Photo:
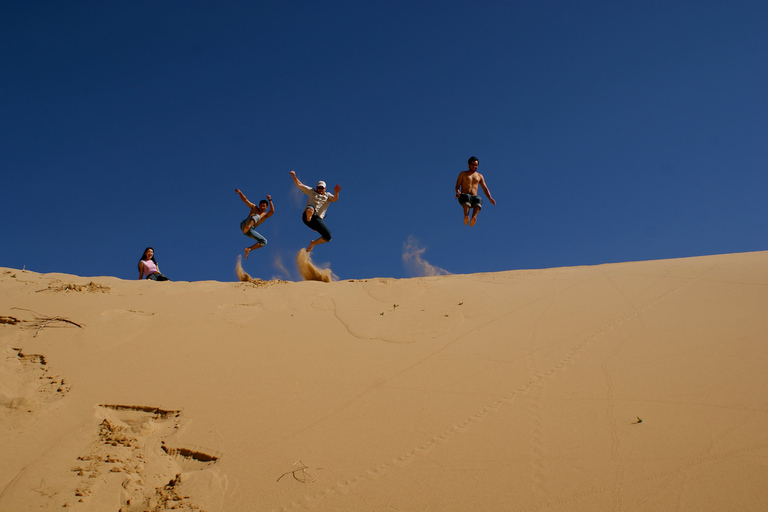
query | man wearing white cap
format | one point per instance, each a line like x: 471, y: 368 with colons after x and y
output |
x: 314, y: 212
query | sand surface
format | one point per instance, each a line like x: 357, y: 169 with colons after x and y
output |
x: 623, y: 387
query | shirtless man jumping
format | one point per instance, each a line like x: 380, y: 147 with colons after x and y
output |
x: 257, y: 215
x: 466, y: 191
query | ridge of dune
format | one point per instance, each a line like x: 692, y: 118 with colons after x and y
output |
x: 631, y: 386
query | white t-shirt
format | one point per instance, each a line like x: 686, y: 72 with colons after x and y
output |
x: 318, y: 201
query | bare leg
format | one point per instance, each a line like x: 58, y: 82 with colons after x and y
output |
x: 475, y: 211
x: 466, y: 214
x: 248, y: 226
x: 313, y: 243
x: 308, y: 213
x: 255, y: 246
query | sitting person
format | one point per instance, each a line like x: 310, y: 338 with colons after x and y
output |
x: 148, y: 266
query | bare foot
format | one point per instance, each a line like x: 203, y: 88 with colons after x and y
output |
x: 472, y: 222
x: 247, y: 250
x: 311, y: 246
x: 466, y: 220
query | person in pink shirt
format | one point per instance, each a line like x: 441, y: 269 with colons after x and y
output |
x: 148, y: 266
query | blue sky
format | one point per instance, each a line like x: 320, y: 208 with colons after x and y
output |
x: 606, y: 131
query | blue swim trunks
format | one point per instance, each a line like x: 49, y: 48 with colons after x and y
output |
x: 471, y: 201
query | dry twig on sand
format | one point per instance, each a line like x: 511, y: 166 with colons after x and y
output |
x: 41, y: 320
x: 305, y: 477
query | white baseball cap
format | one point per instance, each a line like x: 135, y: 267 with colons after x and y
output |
x: 320, y: 184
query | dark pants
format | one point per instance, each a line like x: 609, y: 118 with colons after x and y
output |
x: 318, y: 225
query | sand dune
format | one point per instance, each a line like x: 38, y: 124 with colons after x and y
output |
x: 633, y: 387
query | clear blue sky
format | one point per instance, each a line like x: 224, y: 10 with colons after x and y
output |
x: 607, y: 132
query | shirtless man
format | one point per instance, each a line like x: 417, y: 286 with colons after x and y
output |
x: 466, y: 191
x: 314, y: 212
x: 257, y: 215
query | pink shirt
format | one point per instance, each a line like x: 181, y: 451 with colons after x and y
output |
x: 149, y: 268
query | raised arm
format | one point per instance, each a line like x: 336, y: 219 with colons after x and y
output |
x: 296, y: 180
x: 271, y: 209
x: 335, y: 197
x: 245, y: 199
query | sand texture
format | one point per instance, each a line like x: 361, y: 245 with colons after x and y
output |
x: 623, y: 387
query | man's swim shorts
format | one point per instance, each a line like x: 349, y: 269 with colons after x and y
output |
x: 471, y: 201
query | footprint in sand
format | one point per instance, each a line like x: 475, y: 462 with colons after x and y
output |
x: 28, y: 382
x: 137, y: 460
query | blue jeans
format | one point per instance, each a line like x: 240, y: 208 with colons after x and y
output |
x: 318, y: 225
x: 252, y: 233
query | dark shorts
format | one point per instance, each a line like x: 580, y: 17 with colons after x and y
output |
x: 471, y: 201
x: 318, y: 225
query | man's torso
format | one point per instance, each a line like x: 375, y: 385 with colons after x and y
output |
x: 318, y: 201
x: 469, y: 182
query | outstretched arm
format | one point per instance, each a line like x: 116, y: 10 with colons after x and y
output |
x: 487, y: 192
x: 245, y: 199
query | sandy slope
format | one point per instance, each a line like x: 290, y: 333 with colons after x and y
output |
x: 517, y: 390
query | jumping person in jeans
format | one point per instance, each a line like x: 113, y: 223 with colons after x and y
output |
x: 314, y: 212
x: 256, y: 216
